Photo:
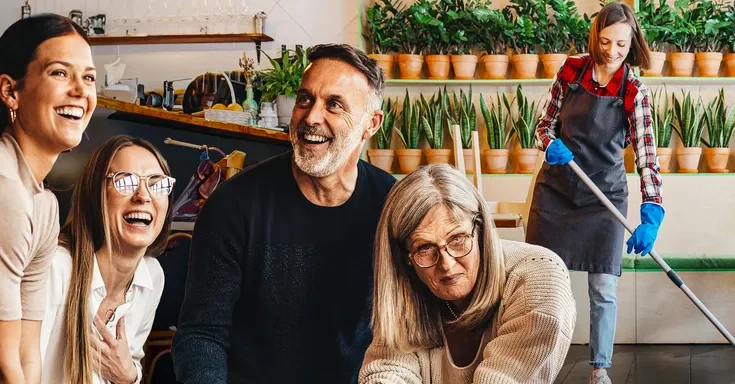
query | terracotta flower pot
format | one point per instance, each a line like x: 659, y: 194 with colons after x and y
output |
x: 717, y: 159
x: 438, y: 66
x: 438, y: 156
x: 629, y: 159
x: 682, y: 64
x: 524, y: 65
x: 408, y: 160
x: 385, y: 62
x: 730, y: 64
x: 709, y: 63
x: 410, y: 66
x: 664, y: 159
x: 469, y: 160
x: 688, y: 159
x: 496, y: 66
x: 658, y: 59
x: 381, y: 158
x: 525, y: 159
x: 495, y: 160
x: 464, y: 66
x: 552, y: 62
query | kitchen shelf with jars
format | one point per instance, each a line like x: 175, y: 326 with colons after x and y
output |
x: 455, y: 44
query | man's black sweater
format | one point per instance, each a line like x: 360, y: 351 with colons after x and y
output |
x: 279, y: 290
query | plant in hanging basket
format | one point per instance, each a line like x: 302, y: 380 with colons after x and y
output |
x: 384, y: 135
x: 410, y: 116
x: 662, y: 118
x: 688, y: 116
x: 380, y: 27
x: 527, y: 115
x: 720, y: 121
x: 496, y: 123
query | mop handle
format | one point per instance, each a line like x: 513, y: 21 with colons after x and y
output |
x: 669, y: 272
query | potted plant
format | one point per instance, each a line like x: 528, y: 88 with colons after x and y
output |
x: 494, y: 39
x: 382, y: 157
x: 462, y: 112
x: 432, y: 125
x: 495, y: 157
x: 729, y: 39
x: 688, y: 125
x: 524, y: 38
x: 655, y: 22
x: 409, y: 157
x: 464, y: 19
x: 380, y: 18
x: 437, y: 38
x: 524, y: 128
x: 411, y: 38
x: 281, y: 82
x: 556, y: 28
x: 662, y: 118
x: 579, y: 32
x: 709, y: 19
x: 682, y: 36
x: 720, y: 122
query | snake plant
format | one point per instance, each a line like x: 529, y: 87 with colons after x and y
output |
x: 461, y: 111
x: 408, y: 131
x: 385, y: 132
x: 432, y: 122
x: 496, y: 122
x: 720, y: 122
x: 661, y: 118
x: 688, y: 117
x: 524, y: 126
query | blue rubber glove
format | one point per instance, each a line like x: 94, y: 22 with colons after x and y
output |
x: 558, y: 153
x: 645, y: 235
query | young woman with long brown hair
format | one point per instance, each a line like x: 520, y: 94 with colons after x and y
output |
x: 105, y: 283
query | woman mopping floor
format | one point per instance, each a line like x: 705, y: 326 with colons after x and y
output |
x: 596, y: 107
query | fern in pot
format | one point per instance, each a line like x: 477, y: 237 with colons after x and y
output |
x: 495, y: 157
x: 524, y: 128
x: 662, y: 120
x: 382, y: 156
x: 688, y: 125
x: 409, y: 157
x: 720, y: 122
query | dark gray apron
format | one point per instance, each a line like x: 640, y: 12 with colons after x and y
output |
x: 565, y: 216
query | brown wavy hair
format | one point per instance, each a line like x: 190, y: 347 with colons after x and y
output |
x: 614, y: 13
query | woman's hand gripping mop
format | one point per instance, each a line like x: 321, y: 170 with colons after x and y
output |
x: 558, y: 153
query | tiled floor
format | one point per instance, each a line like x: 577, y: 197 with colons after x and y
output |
x: 654, y: 364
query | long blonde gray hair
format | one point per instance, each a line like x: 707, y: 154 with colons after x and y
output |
x: 406, y: 315
x: 85, y: 232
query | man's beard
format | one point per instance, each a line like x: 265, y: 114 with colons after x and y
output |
x: 339, y: 150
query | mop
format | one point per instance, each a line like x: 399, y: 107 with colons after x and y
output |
x: 669, y: 272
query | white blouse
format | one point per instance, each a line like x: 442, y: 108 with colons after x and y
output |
x: 141, y: 301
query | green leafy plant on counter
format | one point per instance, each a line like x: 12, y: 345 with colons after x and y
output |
x: 384, y: 135
x: 720, y: 122
x: 285, y: 77
x: 496, y: 123
x: 408, y: 131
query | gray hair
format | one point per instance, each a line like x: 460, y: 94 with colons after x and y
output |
x: 406, y: 316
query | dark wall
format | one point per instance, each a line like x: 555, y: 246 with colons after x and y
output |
x: 182, y: 161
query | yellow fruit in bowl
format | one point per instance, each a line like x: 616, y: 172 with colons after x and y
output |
x: 219, y: 106
x: 235, y: 107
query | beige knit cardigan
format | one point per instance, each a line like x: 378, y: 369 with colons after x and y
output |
x: 530, y: 334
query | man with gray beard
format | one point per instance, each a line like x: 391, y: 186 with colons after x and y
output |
x: 280, y: 277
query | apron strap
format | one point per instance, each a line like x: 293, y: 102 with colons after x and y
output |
x: 573, y: 86
x: 621, y: 93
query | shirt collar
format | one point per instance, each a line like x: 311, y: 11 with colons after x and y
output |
x: 142, y: 277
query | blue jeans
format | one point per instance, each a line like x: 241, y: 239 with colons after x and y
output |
x: 603, y: 315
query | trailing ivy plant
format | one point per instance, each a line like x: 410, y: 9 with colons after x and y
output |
x: 380, y: 19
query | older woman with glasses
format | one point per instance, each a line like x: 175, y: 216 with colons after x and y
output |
x: 453, y: 303
x: 105, y: 284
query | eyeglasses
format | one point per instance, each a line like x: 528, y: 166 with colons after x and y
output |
x: 458, y: 246
x: 127, y: 183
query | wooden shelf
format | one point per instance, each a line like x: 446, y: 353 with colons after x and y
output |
x: 200, y: 122
x: 179, y: 39
x: 651, y: 80
x: 473, y: 81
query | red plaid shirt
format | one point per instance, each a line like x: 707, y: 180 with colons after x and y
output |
x: 636, y: 103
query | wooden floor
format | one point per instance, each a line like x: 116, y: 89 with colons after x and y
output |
x: 653, y: 364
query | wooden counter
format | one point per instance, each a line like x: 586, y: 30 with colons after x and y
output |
x: 148, y: 115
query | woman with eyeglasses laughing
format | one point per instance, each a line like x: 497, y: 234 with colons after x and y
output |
x: 105, y: 284
x: 455, y: 304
